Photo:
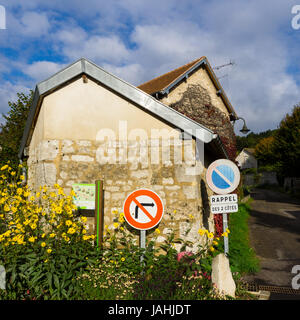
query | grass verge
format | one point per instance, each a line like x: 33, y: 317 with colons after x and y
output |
x: 241, y: 256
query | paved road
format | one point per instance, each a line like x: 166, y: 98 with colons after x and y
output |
x: 275, y: 236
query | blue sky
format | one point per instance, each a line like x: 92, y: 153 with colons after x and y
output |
x: 138, y: 40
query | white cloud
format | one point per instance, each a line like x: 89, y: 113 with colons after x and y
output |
x: 34, y: 24
x: 41, y: 70
x: 138, y: 40
x: 132, y: 73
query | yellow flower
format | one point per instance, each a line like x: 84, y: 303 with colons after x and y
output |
x: 215, y: 243
x: 72, y: 193
x: 210, y: 235
x: 13, y: 173
x: 43, y: 235
x: 49, y: 250
x: 19, y: 191
x: 227, y: 230
x: 212, y: 249
x: 122, y: 259
x: 191, y: 216
x: 22, y: 177
x: 33, y: 226
x: 52, y: 235
x: 71, y: 230
x: 157, y: 231
x: 68, y: 223
x: 56, y: 186
x: 83, y: 219
x: 201, y: 232
x: 116, y: 225
x: 4, y: 167
x: 174, y: 211
x: 31, y: 239
x: 43, y: 244
x: 58, y: 210
x: 224, y: 234
x: 46, y: 260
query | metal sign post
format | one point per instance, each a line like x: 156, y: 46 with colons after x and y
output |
x: 223, y: 177
x: 225, y: 226
x: 143, y: 210
x: 99, y: 212
x: 142, y: 242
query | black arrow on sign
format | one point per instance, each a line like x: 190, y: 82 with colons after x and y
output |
x: 144, y: 205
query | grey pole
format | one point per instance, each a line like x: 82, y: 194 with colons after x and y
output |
x: 143, y: 242
x: 225, y: 226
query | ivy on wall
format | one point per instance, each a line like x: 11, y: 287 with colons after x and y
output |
x: 197, y: 105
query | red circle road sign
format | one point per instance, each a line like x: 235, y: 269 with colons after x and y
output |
x: 143, y: 209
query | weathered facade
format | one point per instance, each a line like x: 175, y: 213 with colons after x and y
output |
x: 86, y: 125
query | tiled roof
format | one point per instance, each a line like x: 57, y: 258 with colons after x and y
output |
x: 163, y: 81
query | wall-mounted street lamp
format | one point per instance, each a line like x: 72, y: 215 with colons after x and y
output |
x: 245, y: 129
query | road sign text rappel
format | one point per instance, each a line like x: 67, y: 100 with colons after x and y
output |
x: 223, y: 199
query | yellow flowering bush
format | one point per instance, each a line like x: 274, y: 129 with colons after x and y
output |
x: 41, y: 237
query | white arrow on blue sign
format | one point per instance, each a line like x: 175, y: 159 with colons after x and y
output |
x: 223, y: 176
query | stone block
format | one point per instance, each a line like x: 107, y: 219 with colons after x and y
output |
x: 45, y: 174
x: 117, y: 196
x: 167, y: 180
x: 81, y: 158
x: 112, y: 188
x: 84, y: 143
x: 67, y: 146
x: 190, y: 192
x: 47, y: 150
x: 182, y: 176
x: 221, y: 275
x: 139, y: 174
x: 173, y: 188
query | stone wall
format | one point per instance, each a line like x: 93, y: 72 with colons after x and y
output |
x: 196, y: 103
x: 67, y: 162
x: 261, y: 178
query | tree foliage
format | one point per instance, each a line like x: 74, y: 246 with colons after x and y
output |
x: 287, y: 144
x: 264, y: 151
x: 252, y: 139
x: 11, y: 131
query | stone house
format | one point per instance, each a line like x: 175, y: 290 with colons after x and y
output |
x: 86, y: 124
x: 246, y: 159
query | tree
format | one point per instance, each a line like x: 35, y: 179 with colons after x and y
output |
x: 264, y: 151
x: 287, y: 144
x: 252, y: 139
x: 11, y: 131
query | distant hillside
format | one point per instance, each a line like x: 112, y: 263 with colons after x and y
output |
x: 251, y: 140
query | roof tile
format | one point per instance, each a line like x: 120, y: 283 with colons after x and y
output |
x: 163, y: 81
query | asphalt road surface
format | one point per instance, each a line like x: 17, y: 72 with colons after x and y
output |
x: 274, y: 227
